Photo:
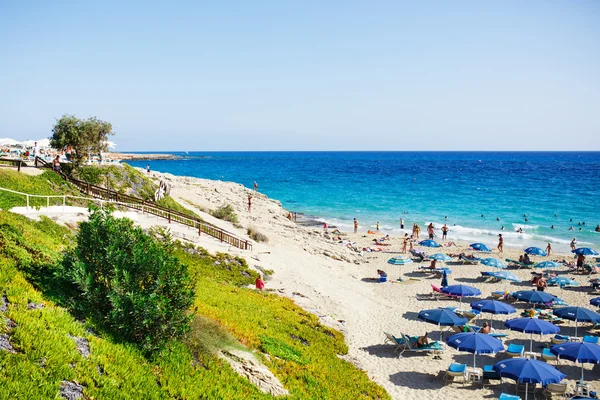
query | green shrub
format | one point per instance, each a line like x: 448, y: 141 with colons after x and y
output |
x: 226, y: 213
x: 129, y: 282
x: 256, y: 235
x: 91, y: 174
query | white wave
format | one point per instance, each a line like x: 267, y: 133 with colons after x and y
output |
x: 525, y: 227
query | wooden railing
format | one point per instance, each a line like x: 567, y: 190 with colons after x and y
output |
x: 150, y: 207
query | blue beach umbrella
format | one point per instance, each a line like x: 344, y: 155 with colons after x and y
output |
x: 577, y: 314
x: 400, y: 260
x: 505, y: 275
x: 547, y: 264
x: 535, y: 251
x: 440, y: 257
x: 562, y: 281
x: 442, y: 317
x: 531, y: 325
x: 586, y: 251
x: 493, y: 307
x: 429, y: 243
x: 494, y: 262
x: 595, y: 301
x: 580, y: 352
x: 480, y: 247
x: 534, y: 296
x: 461, y: 291
x: 476, y: 343
x: 527, y: 370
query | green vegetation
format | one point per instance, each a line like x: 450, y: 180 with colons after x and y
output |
x: 226, y: 213
x: 83, y: 137
x: 122, y: 178
x: 300, y: 351
x: 128, y: 281
x: 256, y: 235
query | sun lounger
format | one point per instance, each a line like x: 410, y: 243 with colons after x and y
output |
x: 515, y: 350
x: 504, y: 396
x: 411, y: 345
x: 556, y: 391
x: 398, y: 342
x: 475, y: 328
x: 454, y: 371
x: 519, y: 264
x: 437, y: 271
x: 490, y: 374
x: 421, y: 255
x: 590, y: 339
x: 469, y: 260
x: 547, y: 355
x: 558, y: 339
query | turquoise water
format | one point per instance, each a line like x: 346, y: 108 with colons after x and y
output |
x: 424, y: 187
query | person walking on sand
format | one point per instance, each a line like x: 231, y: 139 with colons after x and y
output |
x: 325, y: 227
x: 355, y: 225
x: 444, y: 232
x: 249, y: 203
x: 401, y: 223
x: 377, y: 226
x: 500, y: 243
x: 549, y: 249
x: 255, y: 186
x: 574, y: 244
x: 405, y: 243
x: 430, y: 231
x: 417, y: 231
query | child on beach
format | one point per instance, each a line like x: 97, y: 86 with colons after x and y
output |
x: 260, y: 284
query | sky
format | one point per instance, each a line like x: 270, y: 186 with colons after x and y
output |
x: 306, y: 75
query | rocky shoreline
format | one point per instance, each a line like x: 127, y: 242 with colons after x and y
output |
x: 146, y: 156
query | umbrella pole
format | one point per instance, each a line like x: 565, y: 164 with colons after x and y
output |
x: 440, y: 328
x: 576, y: 328
x: 526, y: 389
x: 475, y: 353
x: 582, y: 373
x: 531, y: 342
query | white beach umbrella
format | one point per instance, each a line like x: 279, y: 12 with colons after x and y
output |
x: 29, y: 143
x: 110, y: 145
x: 43, y: 143
x: 8, y: 142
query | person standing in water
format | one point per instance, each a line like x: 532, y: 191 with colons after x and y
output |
x: 401, y: 223
x: 574, y: 244
x: 500, y: 243
x: 444, y: 232
x: 255, y: 186
x: 377, y: 226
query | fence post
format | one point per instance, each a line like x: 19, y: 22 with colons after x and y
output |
x: 88, y: 189
x: 117, y: 197
x: 142, y: 206
x: 169, y: 215
x: 221, y: 236
x: 35, y: 161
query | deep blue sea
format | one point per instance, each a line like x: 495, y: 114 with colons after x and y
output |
x: 471, y: 189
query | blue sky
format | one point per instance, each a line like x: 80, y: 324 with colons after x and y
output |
x: 311, y: 75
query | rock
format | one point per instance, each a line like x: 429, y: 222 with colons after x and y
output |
x: 10, y: 324
x: 35, y: 306
x: 247, y: 365
x: 4, y: 303
x: 82, y: 345
x: 71, y: 390
x: 5, y: 344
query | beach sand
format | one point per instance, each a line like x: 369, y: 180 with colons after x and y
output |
x: 340, y: 287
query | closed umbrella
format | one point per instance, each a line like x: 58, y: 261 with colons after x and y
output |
x: 535, y: 251
x: 494, y: 262
x: 480, y: 247
x: 595, y: 301
x: 476, y: 343
x: 534, y: 296
x: 461, y: 291
x: 400, y: 260
x: 580, y: 352
x: 577, y: 314
x: 493, y: 307
x: 527, y: 370
x: 531, y: 325
x: 586, y: 251
x: 442, y: 317
x: 429, y: 243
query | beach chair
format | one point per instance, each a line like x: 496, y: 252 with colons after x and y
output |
x: 556, y: 391
x: 391, y: 339
x: 504, y: 396
x: 411, y: 345
x: 590, y: 339
x: 438, y: 294
x: 421, y: 255
x: 547, y: 355
x: 469, y: 261
x: 489, y: 374
x: 454, y: 371
x: 475, y: 328
x: 518, y: 264
x: 515, y: 350
x: 558, y: 339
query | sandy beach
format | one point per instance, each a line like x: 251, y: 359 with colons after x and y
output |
x: 339, y: 285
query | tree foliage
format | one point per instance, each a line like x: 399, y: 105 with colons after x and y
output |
x: 129, y: 281
x: 83, y: 136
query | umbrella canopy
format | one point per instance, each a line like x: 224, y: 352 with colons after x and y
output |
x: 442, y: 317
x: 577, y: 314
x: 534, y: 296
x: 586, y: 251
x: 429, y: 243
x: 494, y: 262
x: 400, y: 260
x: 535, y: 251
x: 581, y: 352
x: 531, y: 325
x: 461, y: 290
x: 528, y: 371
x: 480, y: 247
x: 595, y: 301
x: 440, y: 257
x: 505, y: 275
x: 547, y: 264
x: 8, y: 142
x: 493, y: 307
x: 476, y: 343
x: 562, y: 281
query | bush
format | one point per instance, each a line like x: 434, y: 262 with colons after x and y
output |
x: 256, y: 235
x: 129, y: 282
x: 226, y: 213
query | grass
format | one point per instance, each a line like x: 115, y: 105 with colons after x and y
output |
x: 292, y: 343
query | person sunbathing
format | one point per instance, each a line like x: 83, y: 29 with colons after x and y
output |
x: 378, y: 243
x: 449, y: 244
x: 423, y: 341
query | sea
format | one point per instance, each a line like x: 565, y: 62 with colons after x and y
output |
x: 552, y: 196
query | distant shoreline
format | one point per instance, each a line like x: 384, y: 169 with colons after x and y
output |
x: 145, y: 156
